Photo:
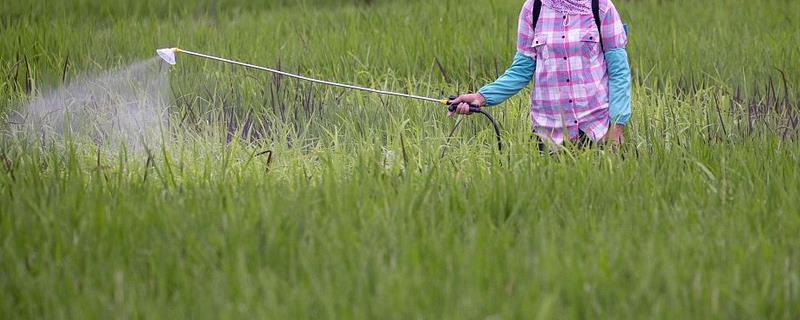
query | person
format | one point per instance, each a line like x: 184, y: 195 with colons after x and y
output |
x: 581, y: 74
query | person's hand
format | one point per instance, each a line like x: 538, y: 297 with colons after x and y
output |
x: 615, y: 135
x: 464, y: 101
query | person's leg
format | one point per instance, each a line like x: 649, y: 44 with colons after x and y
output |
x: 540, y: 145
x: 583, y: 141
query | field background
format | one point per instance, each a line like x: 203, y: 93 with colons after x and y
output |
x: 363, y: 208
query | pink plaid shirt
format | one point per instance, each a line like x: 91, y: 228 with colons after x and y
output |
x: 570, y: 82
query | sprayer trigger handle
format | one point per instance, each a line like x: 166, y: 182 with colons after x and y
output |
x: 472, y: 108
x: 452, y: 106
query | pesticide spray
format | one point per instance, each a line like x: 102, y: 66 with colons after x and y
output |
x: 125, y: 107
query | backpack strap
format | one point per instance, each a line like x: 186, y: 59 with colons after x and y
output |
x: 597, y: 21
x: 537, y: 9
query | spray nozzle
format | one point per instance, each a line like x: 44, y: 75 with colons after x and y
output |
x: 168, y: 54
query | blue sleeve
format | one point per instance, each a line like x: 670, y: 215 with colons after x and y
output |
x: 619, y: 86
x: 516, y: 77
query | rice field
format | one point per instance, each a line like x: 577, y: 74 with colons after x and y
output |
x: 271, y: 198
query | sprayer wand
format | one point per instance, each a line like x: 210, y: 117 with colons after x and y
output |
x: 168, y: 55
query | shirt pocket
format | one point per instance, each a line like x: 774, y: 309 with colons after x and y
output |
x: 539, y: 47
x: 590, y: 44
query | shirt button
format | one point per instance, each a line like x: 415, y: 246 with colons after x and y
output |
x: 565, y: 58
x: 565, y: 17
x: 570, y: 101
x: 576, y: 121
x: 562, y: 37
x: 567, y: 80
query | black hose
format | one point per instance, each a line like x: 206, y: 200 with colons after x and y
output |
x: 476, y: 109
x: 494, y: 124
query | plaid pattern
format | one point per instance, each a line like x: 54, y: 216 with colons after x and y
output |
x: 570, y: 82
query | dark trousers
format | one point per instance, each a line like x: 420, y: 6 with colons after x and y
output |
x: 582, y: 142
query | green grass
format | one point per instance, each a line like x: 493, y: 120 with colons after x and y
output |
x: 367, y: 210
